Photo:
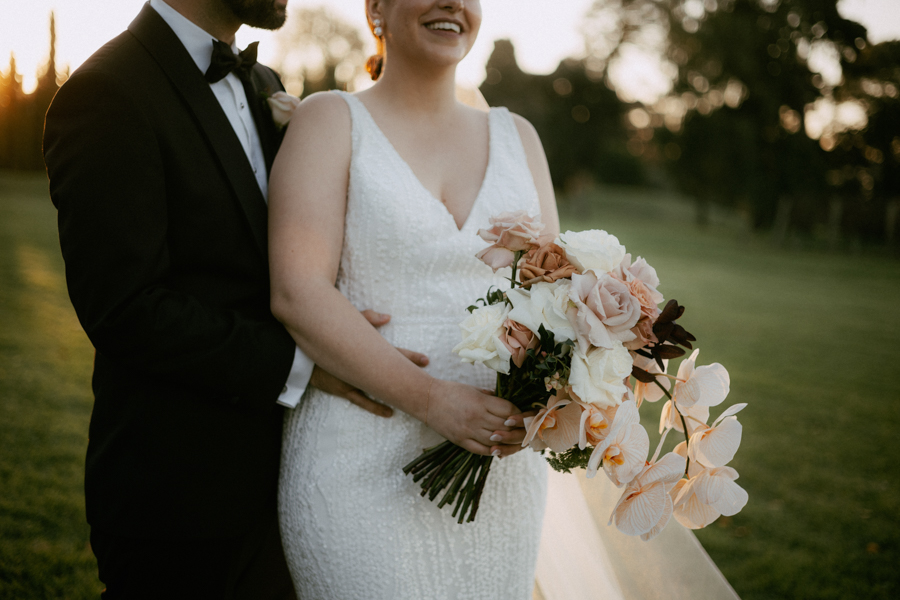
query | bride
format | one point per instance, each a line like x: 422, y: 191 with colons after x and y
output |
x: 382, y: 193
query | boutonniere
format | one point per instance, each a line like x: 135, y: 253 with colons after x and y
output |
x: 281, y: 105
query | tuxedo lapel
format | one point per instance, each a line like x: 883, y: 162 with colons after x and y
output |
x: 161, y: 42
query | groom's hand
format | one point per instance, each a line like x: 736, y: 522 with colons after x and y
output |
x: 330, y: 384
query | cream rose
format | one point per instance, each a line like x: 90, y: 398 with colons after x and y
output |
x: 481, y: 333
x: 592, y: 250
x: 605, y: 310
x: 598, y: 377
x: 282, y: 106
x: 544, y: 304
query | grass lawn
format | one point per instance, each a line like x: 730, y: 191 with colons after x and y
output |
x: 45, y: 405
x: 802, y: 335
x: 810, y: 342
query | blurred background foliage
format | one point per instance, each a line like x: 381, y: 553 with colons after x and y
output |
x: 780, y: 110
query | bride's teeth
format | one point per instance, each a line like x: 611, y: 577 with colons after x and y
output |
x: 445, y: 26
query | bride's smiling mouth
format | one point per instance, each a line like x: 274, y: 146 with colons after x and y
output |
x: 445, y: 27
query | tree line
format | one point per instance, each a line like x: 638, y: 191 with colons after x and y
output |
x: 747, y: 123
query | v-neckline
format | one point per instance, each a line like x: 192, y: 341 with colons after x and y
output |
x: 438, y: 201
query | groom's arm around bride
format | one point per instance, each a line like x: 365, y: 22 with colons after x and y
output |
x: 159, y: 176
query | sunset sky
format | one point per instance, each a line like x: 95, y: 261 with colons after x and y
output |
x: 543, y: 31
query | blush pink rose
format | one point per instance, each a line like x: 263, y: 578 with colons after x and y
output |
x: 510, y: 232
x: 519, y: 339
x: 640, y: 271
x: 605, y: 310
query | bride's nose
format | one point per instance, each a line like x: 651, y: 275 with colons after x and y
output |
x: 452, y: 5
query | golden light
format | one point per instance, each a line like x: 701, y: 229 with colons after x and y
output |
x: 543, y: 33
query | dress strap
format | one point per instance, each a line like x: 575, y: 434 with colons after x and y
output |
x: 508, y: 140
x: 358, y: 116
x: 508, y: 155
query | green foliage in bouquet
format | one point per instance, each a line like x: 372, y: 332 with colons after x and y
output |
x: 571, y: 459
x: 531, y: 385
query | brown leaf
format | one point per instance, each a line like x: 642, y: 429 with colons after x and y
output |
x: 662, y: 331
x: 642, y: 375
x: 669, y: 313
x: 667, y: 352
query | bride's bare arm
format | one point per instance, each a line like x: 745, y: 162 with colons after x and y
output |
x: 307, y: 204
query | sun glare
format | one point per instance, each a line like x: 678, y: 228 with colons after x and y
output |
x: 542, y: 32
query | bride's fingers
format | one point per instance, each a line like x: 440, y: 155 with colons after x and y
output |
x: 504, y: 450
x: 500, y: 407
x: 475, y: 447
x: 366, y: 403
x: 508, y: 437
x: 416, y: 358
x: 376, y: 319
x: 518, y: 420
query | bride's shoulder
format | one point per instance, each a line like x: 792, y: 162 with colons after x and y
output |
x: 322, y: 111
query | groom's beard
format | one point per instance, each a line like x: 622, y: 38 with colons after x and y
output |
x: 263, y: 14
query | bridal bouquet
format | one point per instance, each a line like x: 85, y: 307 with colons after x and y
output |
x: 580, y: 338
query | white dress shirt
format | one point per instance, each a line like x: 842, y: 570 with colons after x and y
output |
x: 233, y: 100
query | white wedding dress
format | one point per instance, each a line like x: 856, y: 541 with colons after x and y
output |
x: 353, y: 525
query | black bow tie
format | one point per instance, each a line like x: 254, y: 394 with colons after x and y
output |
x: 224, y: 61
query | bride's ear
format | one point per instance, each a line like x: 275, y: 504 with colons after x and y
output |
x: 373, y: 11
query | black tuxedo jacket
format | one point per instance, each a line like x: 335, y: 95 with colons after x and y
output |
x: 163, y: 230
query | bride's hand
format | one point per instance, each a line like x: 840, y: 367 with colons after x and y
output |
x: 469, y: 417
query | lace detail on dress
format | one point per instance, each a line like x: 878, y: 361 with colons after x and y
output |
x: 353, y: 526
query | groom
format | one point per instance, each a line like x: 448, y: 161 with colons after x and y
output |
x: 158, y: 151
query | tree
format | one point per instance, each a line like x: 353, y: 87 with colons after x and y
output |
x: 578, y: 117
x: 741, y: 86
x: 318, y: 51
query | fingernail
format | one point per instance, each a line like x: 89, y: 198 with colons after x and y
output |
x: 496, y: 438
x: 495, y: 453
x: 509, y: 423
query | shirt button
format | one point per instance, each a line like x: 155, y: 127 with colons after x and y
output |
x: 242, y: 106
x: 254, y: 169
x: 284, y: 390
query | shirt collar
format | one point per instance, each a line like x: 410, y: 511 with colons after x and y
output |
x: 196, y: 41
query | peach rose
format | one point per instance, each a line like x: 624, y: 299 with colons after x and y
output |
x: 510, y: 232
x: 606, y: 310
x: 639, y: 270
x: 519, y: 339
x: 643, y: 333
x: 547, y: 262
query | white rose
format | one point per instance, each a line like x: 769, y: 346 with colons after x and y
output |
x: 282, y: 106
x: 598, y: 377
x: 544, y: 304
x: 592, y: 250
x: 481, y: 338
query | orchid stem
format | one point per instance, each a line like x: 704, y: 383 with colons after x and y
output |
x: 687, y: 440
x: 664, y: 390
